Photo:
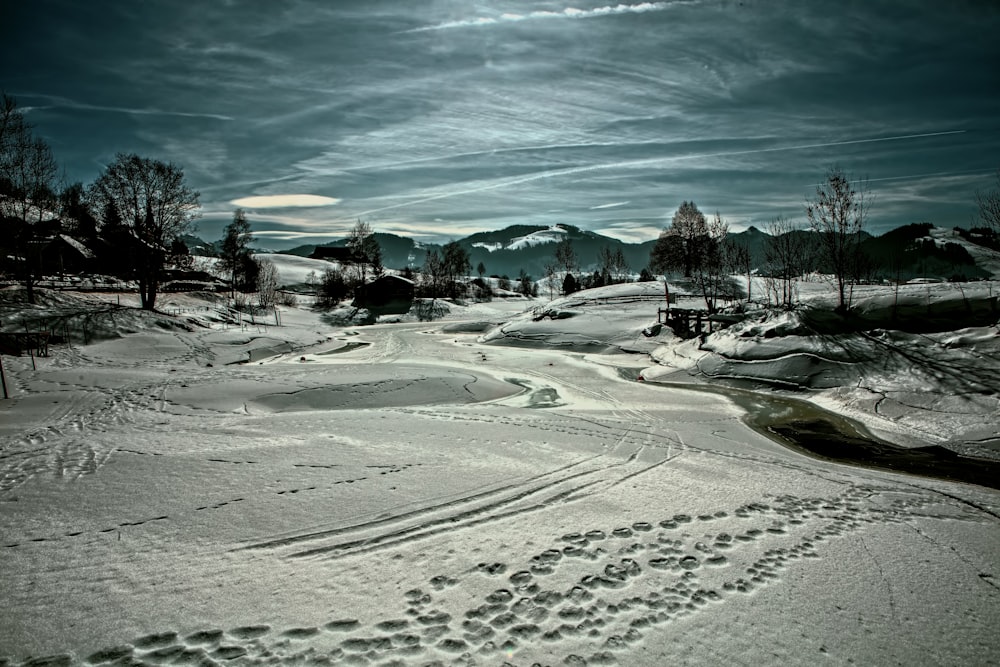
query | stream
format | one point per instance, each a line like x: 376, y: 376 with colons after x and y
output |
x: 813, y: 431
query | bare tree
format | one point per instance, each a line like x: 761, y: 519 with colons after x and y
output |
x: 155, y: 206
x: 838, y: 214
x: 550, y: 279
x: 709, y: 270
x: 27, y: 187
x: 433, y: 272
x: 740, y: 260
x: 566, y: 255
x: 456, y: 264
x: 614, y: 267
x: 365, y: 248
x: 332, y: 288
x: 786, y: 256
x: 989, y: 207
x: 267, y: 283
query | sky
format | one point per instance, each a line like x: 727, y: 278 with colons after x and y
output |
x: 436, y: 119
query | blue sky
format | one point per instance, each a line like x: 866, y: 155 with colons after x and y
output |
x: 439, y: 118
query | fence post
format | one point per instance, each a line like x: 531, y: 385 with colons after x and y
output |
x: 3, y: 378
x: 31, y: 350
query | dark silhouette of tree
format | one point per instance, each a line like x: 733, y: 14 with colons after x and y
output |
x: 365, y: 249
x: 988, y: 203
x: 235, y: 251
x: 75, y: 212
x: 154, y: 205
x: 481, y: 269
x: 566, y: 255
x: 525, y: 285
x: 709, y: 269
x: 333, y: 287
x: 27, y: 188
x: 838, y: 214
x: 740, y: 260
x: 613, y: 265
x: 433, y: 272
x: 569, y: 284
x: 681, y: 245
x: 786, y: 257
x: 455, y: 263
x: 247, y: 274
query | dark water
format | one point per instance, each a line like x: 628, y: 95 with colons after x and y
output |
x: 825, y: 435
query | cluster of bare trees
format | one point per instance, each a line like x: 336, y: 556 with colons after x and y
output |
x: 145, y: 205
x: 248, y: 275
x: 612, y: 268
x: 27, y: 186
x: 338, y: 282
x: 701, y: 250
x: 153, y: 205
x: 443, y: 271
x: 698, y: 249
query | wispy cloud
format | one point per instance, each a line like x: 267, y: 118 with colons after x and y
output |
x: 468, y: 189
x: 567, y: 13
x: 62, y: 102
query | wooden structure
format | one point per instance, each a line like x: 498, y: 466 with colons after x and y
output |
x: 14, y: 343
x: 690, y: 323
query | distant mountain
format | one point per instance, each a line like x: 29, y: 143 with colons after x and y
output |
x: 912, y: 251
x: 397, y: 251
x: 505, y: 251
x: 531, y: 248
x: 198, y: 246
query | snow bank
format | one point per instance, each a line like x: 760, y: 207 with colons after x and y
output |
x: 602, y: 319
x: 916, y: 366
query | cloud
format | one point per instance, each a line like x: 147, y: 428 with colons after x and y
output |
x: 567, y: 13
x: 285, y: 201
x: 64, y: 102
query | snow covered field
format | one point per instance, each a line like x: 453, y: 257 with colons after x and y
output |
x: 426, y: 493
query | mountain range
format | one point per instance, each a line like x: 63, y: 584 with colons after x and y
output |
x: 910, y: 251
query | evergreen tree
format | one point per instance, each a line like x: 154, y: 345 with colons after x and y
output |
x: 234, y: 255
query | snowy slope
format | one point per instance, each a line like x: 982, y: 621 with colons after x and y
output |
x: 986, y: 258
x: 553, y: 234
